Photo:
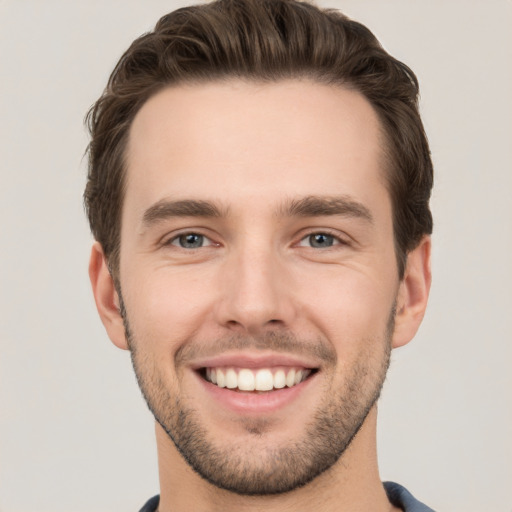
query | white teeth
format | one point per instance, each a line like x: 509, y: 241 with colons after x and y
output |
x: 245, y: 380
x: 264, y: 381
x: 290, y: 378
x: 231, y: 379
x: 256, y: 380
x: 221, y: 381
x: 279, y: 379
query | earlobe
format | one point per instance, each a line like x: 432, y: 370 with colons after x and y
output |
x: 413, y: 293
x: 106, y: 297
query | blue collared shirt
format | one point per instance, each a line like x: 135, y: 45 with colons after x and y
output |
x: 399, y: 496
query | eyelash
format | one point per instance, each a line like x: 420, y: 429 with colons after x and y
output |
x: 174, y: 241
x: 337, y: 240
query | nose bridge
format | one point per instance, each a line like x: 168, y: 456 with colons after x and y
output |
x: 254, y: 296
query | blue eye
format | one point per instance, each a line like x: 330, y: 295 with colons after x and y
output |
x: 190, y: 241
x: 321, y: 240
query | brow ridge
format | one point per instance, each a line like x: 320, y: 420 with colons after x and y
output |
x: 309, y: 206
x: 316, y: 206
x: 165, y: 209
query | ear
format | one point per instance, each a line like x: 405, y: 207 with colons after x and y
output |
x: 106, y: 297
x: 413, y: 294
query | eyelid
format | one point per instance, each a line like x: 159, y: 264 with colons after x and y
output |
x: 168, y: 239
x: 206, y: 241
x: 340, y: 238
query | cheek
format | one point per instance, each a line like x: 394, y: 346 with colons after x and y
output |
x: 166, y: 306
x: 349, y: 306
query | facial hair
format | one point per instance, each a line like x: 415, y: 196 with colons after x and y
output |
x: 273, y: 470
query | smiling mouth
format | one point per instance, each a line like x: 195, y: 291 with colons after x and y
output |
x: 256, y: 380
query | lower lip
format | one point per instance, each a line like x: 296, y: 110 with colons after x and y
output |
x: 255, y: 403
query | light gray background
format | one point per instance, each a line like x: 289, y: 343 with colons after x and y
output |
x: 75, y: 434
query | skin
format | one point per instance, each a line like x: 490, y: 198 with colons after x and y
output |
x: 250, y: 149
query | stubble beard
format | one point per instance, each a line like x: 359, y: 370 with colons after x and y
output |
x: 268, y: 471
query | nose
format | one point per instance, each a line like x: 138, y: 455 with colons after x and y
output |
x: 255, y: 293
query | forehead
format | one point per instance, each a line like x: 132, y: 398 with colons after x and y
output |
x: 240, y: 141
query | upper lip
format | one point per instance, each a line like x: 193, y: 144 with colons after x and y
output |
x: 253, y: 360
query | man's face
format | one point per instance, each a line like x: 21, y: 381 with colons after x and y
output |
x: 257, y: 252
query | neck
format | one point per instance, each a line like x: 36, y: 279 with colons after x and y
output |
x: 352, y: 484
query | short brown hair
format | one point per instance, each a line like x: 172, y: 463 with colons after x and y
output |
x: 261, y: 40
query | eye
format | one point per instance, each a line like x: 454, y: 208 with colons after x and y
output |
x: 190, y: 241
x: 319, y: 241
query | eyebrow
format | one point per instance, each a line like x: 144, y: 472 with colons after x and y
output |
x: 309, y: 206
x: 317, y: 206
x: 166, y: 209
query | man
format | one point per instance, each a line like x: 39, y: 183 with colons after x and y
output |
x: 258, y: 189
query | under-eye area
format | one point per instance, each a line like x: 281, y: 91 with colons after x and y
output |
x: 256, y: 380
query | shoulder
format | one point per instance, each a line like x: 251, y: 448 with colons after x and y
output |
x: 151, y: 505
x: 400, y: 497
